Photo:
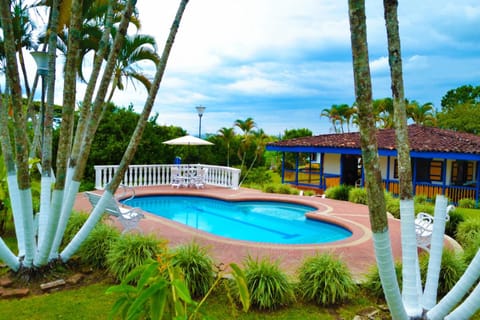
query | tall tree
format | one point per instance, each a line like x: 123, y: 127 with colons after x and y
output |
x: 56, y: 204
x: 227, y: 135
x: 246, y: 126
x: 368, y: 141
x: 423, y: 114
x: 411, y: 273
x: 136, y: 49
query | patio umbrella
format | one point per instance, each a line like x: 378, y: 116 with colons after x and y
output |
x: 188, y: 141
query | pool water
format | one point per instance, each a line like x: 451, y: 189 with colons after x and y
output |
x: 259, y: 221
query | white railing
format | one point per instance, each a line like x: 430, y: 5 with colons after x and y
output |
x: 160, y: 174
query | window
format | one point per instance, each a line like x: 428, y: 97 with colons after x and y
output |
x: 462, y: 172
x: 422, y: 170
x: 436, y: 170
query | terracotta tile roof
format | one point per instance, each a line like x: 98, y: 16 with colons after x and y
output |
x: 422, y: 139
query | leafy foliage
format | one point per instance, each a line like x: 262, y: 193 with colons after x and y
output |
x: 196, y: 266
x: 338, y: 192
x: 269, y: 286
x: 76, y: 221
x: 131, y: 251
x: 373, y: 283
x: 466, y: 203
x: 452, y: 224
x: 392, y: 204
x: 162, y: 293
x: 96, y: 247
x: 451, y: 270
x: 468, y: 231
x: 325, y: 279
x: 358, y: 195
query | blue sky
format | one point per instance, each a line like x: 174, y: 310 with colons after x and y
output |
x: 283, y: 62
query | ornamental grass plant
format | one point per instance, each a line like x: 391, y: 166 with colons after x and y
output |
x: 268, y: 285
x: 325, y: 280
x: 130, y: 251
x: 197, y: 268
x: 96, y: 247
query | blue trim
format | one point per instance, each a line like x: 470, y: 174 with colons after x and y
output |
x: 381, y: 152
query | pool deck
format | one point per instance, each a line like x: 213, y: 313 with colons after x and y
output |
x: 356, y: 251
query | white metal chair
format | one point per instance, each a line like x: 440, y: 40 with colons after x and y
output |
x: 424, y: 228
x: 199, y: 179
x: 128, y: 217
x: 176, y: 179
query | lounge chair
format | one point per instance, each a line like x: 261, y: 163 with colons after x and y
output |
x: 424, y: 228
x: 128, y: 217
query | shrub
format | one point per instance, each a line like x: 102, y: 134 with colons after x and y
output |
x: 358, y: 195
x: 452, y: 224
x: 467, y: 232
x: 424, y: 207
x: 258, y: 176
x: 420, y: 199
x: 338, y: 192
x: 268, y: 285
x: 451, y: 269
x: 269, y: 188
x: 98, y: 244
x: 76, y: 221
x: 196, y: 266
x: 325, y: 279
x: 286, y: 189
x: 373, y: 283
x: 466, y: 203
x: 471, y: 250
x: 129, y: 252
x: 392, y: 204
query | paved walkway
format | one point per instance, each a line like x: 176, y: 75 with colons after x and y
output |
x: 356, y: 251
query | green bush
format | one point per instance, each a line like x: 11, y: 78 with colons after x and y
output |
x: 268, y: 285
x: 129, y: 252
x: 197, y: 268
x: 467, y: 232
x: 451, y: 270
x: 420, y: 199
x: 373, y: 283
x: 259, y: 176
x: 471, y: 250
x: 98, y: 244
x: 325, y: 279
x: 338, y: 192
x: 286, y: 189
x: 76, y: 221
x: 466, y: 203
x: 358, y: 195
x: 452, y: 224
x: 392, y: 204
x: 424, y: 207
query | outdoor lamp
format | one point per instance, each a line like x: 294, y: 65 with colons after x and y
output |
x: 41, y: 59
x: 200, y: 110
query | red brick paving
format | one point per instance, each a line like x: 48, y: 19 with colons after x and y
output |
x: 356, y: 251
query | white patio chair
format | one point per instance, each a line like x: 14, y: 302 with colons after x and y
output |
x: 176, y: 179
x: 128, y: 217
x: 199, y: 179
x: 424, y: 228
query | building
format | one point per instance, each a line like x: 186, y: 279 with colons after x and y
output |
x: 443, y: 161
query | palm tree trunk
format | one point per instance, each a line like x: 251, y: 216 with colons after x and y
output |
x: 76, y: 242
x: 93, y: 121
x: 411, y: 281
x: 373, y: 178
x: 20, y: 135
x: 463, y: 285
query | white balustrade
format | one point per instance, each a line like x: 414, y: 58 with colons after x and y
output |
x: 160, y: 174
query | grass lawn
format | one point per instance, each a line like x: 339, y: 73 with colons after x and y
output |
x: 91, y: 302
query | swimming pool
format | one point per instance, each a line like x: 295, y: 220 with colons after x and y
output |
x: 259, y: 221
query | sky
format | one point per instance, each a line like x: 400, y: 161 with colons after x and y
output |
x: 283, y: 62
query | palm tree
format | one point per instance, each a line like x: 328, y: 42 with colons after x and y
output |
x: 246, y: 126
x: 227, y: 135
x: 373, y: 177
x: 421, y: 114
x: 410, y: 271
x: 135, y: 49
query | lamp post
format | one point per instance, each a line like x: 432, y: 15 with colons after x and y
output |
x: 41, y: 59
x: 200, y: 110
